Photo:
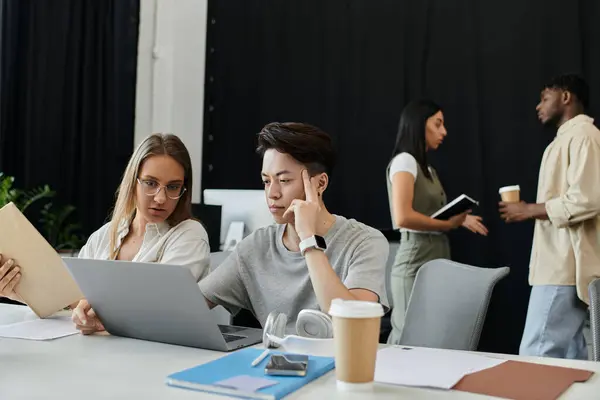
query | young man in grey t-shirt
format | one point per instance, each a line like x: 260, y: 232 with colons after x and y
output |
x: 310, y: 256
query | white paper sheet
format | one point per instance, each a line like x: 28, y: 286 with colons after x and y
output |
x: 39, y: 329
x: 428, y: 367
x: 246, y: 383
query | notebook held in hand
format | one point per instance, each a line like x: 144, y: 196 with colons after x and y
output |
x: 457, y: 206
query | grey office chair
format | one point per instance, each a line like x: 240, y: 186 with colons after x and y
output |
x: 594, y: 292
x: 448, y: 305
x: 217, y: 257
x: 221, y: 315
x: 388, y: 271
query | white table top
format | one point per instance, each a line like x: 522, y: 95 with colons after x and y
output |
x: 108, y: 367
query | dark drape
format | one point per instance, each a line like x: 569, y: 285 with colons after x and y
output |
x: 68, y: 72
x: 350, y: 66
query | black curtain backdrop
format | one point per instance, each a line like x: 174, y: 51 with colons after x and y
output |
x: 349, y: 66
x: 68, y: 73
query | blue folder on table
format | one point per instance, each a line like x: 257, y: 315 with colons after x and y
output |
x: 203, y: 377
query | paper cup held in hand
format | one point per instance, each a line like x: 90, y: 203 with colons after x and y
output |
x: 356, y: 338
x: 510, y: 194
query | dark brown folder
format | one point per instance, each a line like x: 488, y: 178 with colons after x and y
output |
x: 523, y: 381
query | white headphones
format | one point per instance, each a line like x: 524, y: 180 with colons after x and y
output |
x: 310, y: 323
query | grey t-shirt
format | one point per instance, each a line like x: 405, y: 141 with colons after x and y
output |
x: 262, y: 275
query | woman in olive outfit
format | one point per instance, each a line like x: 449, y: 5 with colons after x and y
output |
x: 415, y: 192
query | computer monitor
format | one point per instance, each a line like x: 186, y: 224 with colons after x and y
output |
x: 210, y: 217
x: 240, y: 205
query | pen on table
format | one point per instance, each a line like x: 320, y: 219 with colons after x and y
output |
x: 260, y: 358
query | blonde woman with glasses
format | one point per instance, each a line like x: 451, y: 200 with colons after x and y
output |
x: 152, y: 219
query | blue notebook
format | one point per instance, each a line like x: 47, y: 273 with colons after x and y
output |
x: 203, y: 377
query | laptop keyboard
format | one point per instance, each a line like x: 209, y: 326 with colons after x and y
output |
x: 231, y: 338
x: 230, y: 329
x: 227, y: 331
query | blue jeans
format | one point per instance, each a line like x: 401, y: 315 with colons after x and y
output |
x: 554, y: 326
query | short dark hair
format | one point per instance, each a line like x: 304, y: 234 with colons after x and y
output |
x: 306, y: 143
x: 573, y: 83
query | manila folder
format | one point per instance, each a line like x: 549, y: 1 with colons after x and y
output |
x: 46, y: 285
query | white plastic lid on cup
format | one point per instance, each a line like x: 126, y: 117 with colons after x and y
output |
x: 355, y: 309
x: 509, y: 189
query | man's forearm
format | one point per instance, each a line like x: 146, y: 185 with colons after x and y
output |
x: 326, y: 284
x: 537, y: 211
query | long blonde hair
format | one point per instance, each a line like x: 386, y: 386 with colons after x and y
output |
x: 124, y: 210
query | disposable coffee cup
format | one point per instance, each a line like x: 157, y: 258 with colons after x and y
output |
x: 510, y: 194
x: 356, y: 339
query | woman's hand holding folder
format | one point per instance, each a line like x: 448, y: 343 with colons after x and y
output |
x: 10, y: 276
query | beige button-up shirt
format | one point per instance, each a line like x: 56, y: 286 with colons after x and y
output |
x: 566, y: 248
x: 185, y: 244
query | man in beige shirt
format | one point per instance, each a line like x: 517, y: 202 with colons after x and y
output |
x: 565, y: 256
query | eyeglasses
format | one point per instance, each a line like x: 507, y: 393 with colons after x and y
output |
x: 152, y: 188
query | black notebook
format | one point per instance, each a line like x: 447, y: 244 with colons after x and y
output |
x: 457, y: 206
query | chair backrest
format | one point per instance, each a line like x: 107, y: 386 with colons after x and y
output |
x: 220, y: 314
x: 594, y: 292
x: 394, y: 245
x: 217, y: 257
x: 448, y: 305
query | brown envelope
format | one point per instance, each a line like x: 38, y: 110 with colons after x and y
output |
x: 46, y: 285
x: 522, y: 381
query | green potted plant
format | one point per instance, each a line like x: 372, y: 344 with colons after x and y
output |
x: 53, y: 222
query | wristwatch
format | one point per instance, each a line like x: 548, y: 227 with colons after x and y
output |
x: 313, y: 242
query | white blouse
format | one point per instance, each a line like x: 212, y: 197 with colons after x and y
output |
x: 184, y: 244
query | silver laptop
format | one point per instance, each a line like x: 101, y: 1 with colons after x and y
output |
x: 156, y: 302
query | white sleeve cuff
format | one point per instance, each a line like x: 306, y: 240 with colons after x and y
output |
x: 557, y: 213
